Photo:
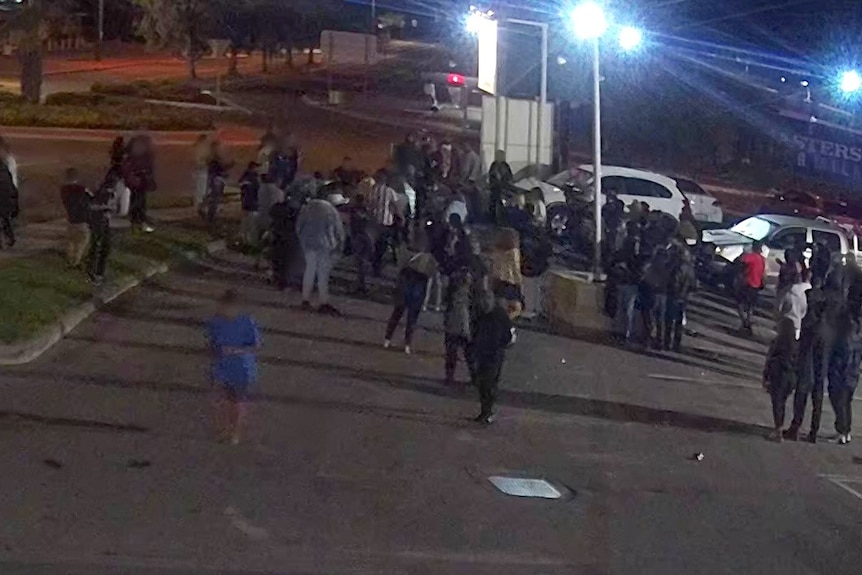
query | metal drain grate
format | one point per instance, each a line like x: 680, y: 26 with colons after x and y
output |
x: 522, y: 487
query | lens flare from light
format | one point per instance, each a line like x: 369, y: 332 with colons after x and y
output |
x: 630, y: 38
x: 851, y: 81
x: 588, y: 20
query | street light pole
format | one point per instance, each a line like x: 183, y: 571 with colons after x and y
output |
x: 597, y: 156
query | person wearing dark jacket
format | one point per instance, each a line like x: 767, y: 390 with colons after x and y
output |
x: 494, y: 333
x: 8, y: 201
x: 283, y: 241
x: 499, y: 178
x: 846, y: 355
x: 821, y: 262
x: 249, y: 188
x: 76, y: 201
x: 652, y: 293
x: 536, y: 252
x: 139, y: 176
x: 409, y: 296
x: 627, y: 273
x: 779, y: 373
x: 681, y: 283
x: 101, y: 207
x: 217, y: 171
x: 815, y: 344
x: 361, y: 243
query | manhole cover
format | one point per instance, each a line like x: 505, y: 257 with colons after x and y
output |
x: 521, y: 487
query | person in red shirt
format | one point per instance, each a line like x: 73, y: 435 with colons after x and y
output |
x: 749, y: 283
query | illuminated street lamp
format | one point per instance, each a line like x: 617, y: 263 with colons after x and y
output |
x: 589, y: 23
x: 851, y: 82
x: 630, y: 38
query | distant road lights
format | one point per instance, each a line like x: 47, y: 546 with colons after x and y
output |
x: 588, y: 20
x: 851, y: 82
x: 630, y: 38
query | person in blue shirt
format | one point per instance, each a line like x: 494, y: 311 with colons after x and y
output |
x: 234, y: 339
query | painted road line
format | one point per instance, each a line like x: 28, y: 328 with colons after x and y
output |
x: 844, y: 481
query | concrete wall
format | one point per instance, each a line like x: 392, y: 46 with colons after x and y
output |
x: 512, y: 126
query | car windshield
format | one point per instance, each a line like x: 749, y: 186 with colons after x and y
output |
x: 578, y: 179
x: 687, y: 187
x: 755, y: 228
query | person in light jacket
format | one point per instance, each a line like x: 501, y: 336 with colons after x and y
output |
x: 792, y: 302
x: 321, y: 236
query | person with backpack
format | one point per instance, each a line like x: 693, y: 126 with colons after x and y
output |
x: 653, y: 296
x: 536, y: 252
x: 410, y: 294
x: 682, y: 282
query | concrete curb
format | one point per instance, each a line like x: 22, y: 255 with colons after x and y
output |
x: 27, y: 351
x: 398, y: 123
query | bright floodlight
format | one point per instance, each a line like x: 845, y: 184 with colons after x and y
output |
x: 630, y: 38
x: 474, y: 22
x: 588, y: 20
x: 851, y: 81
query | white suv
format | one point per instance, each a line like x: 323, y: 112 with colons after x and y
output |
x: 659, y: 192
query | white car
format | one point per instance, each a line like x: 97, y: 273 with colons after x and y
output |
x: 704, y: 206
x: 659, y: 192
x: 777, y: 233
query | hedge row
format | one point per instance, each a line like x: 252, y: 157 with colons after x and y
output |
x: 104, y: 115
x: 169, y: 90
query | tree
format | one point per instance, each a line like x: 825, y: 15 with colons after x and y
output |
x: 181, y: 24
x: 234, y: 20
x: 34, y: 20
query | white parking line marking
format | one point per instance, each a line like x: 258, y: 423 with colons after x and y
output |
x: 842, y: 482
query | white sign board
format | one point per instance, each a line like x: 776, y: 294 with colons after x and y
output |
x: 488, y: 55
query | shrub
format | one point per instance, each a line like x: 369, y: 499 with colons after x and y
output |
x: 128, y: 116
x: 74, y: 99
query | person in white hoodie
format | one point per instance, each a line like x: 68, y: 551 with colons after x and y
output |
x: 792, y: 301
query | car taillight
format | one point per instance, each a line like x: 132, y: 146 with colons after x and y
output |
x: 455, y: 79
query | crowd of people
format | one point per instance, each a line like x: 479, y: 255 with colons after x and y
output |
x: 650, y: 274
x: 818, y: 346
x: 423, y: 214
x: 462, y: 243
x: 123, y: 191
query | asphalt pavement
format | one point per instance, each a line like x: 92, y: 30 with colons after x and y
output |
x: 358, y: 460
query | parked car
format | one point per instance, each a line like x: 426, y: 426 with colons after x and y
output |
x: 778, y: 233
x: 793, y: 203
x: 704, y: 205
x: 563, y: 192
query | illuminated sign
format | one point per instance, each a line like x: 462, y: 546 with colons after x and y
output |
x: 487, y: 35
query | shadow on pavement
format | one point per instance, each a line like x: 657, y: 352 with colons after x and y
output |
x: 71, y: 422
x: 605, y: 409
